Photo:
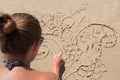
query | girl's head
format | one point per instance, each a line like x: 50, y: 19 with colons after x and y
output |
x: 18, y: 32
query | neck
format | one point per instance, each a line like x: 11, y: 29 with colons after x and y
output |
x: 28, y: 64
x: 17, y: 58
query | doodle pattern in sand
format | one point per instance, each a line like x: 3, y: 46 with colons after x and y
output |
x: 80, y: 41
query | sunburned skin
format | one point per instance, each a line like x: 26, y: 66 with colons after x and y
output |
x: 18, y: 73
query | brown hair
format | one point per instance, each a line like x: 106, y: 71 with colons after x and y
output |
x: 18, y: 32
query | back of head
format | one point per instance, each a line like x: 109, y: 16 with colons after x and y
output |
x: 18, y: 32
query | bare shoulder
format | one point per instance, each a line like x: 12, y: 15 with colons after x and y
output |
x: 3, y: 70
x: 51, y: 76
x: 24, y: 74
x: 46, y: 75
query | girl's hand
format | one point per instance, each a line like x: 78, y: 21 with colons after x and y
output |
x: 57, y: 63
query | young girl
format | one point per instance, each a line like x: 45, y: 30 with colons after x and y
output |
x: 20, y: 38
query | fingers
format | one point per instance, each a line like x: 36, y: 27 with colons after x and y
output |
x: 58, y: 55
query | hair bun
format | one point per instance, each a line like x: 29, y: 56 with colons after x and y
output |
x: 7, y: 25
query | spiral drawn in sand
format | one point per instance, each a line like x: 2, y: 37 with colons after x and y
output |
x: 80, y: 41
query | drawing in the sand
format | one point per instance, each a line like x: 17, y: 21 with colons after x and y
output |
x: 81, y: 43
